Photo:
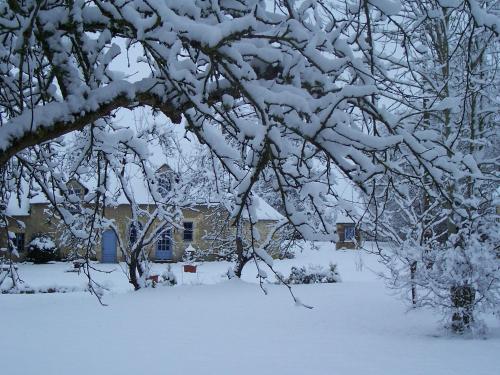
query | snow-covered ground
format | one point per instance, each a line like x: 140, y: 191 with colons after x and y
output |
x: 208, y: 325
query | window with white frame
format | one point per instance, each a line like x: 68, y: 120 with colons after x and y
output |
x: 164, y: 241
x: 75, y: 191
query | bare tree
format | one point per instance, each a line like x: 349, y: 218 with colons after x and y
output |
x: 444, y: 85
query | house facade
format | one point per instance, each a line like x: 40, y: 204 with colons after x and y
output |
x: 204, y: 227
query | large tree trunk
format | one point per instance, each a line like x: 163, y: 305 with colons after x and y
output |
x: 133, y: 271
x: 413, y: 271
x: 135, y: 268
x: 462, y: 298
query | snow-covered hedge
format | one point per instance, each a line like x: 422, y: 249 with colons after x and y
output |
x: 314, y: 274
x: 24, y: 289
x: 42, y: 249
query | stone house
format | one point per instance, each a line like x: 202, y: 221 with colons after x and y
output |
x: 203, y: 226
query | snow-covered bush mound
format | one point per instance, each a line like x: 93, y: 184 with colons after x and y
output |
x: 286, y: 252
x: 42, y: 249
x: 192, y: 254
x: 168, y: 277
x: 314, y: 274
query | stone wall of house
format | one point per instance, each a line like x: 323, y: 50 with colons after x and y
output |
x: 14, y: 227
x: 202, y: 218
x: 209, y: 226
x: 264, y: 227
x: 39, y: 220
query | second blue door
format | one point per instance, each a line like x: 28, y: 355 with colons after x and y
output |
x: 108, y: 247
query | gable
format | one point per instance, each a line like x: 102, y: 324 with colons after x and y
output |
x: 76, y: 187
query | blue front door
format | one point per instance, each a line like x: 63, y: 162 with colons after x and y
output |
x: 164, y: 246
x: 108, y: 247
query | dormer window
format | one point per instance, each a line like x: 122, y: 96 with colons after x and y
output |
x: 164, y: 185
x: 166, y: 178
x: 75, y: 191
x: 75, y: 196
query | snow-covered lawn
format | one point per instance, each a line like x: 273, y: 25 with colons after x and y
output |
x: 209, y: 325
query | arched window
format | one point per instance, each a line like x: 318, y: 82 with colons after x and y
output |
x: 166, y: 179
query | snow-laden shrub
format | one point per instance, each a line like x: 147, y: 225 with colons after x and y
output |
x: 314, y: 274
x: 286, y: 252
x: 168, y: 277
x: 191, y: 254
x: 42, y: 249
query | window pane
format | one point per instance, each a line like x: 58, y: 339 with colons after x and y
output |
x: 76, y: 191
x: 163, y: 243
x: 349, y: 233
x: 133, y: 235
x: 188, y: 231
x: 19, y: 242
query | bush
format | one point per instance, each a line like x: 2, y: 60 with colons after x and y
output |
x: 191, y: 254
x: 285, y: 249
x: 314, y: 274
x: 168, y: 277
x: 42, y: 249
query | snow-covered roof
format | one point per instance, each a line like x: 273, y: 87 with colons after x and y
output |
x: 18, y: 208
x: 139, y: 188
x: 349, y: 203
x: 264, y: 211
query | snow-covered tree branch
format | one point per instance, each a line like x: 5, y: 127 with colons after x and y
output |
x: 393, y: 97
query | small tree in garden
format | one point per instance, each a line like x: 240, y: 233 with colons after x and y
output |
x: 168, y: 277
